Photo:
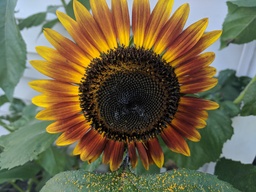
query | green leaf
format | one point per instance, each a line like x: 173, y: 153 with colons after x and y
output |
x: 26, y: 171
x: 45, y: 177
x: 230, y: 85
x: 49, y: 24
x: 26, y: 116
x: 248, y: 99
x: 55, y: 160
x: 86, y: 3
x: 17, y: 106
x: 243, y: 3
x: 69, y: 8
x: 209, y: 148
x: 53, y: 8
x: 228, y: 88
x: 240, y: 23
x: 32, y: 20
x: 230, y: 108
x: 3, y: 100
x: 13, y: 49
x: 92, y: 166
x: 19, y: 116
x: 177, y: 180
x: 240, y: 175
x: 139, y: 169
x: 25, y: 144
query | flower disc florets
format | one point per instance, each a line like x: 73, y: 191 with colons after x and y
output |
x: 129, y: 94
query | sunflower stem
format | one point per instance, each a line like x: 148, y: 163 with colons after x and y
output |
x: 30, y: 183
x: 241, y: 96
x: 126, y: 162
x: 16, y: 187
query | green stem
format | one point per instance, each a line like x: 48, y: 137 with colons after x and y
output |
x: 30, y: 183
x: 64, y: 5
x: 241, y: 96
x: 16, y: 187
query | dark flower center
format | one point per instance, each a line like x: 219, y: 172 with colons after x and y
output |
x: 129, y: 94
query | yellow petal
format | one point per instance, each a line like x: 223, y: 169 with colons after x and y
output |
x: 50, y: 54
x: 122, y: 21
x: 73, y: 134
x: 205, y: 41
x: 91, y: 145
x: 186, y: 40
x: 104, y: 18
x: 59, y: 72
x: 63, y: 125
x: 140, y: 16
x: 175, y: 141
x: 195, y: 64
x: 172, y: 29
x: 73, y: 29
x: 158, y: 18
x: 66, y: 47
x: 198, y: 103
x: 46, y: 100
x: 53, y: 87
x: 60, y: 111
x: 89, y: 27
x: 199, y: 86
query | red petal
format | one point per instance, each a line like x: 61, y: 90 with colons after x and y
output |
x: 174, y: 141
x: 117, y: 154
x: 132, y: 154
x: 143, y: 154
x: 156, y: 152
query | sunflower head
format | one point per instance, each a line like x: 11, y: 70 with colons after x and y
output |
x: 114, y: 96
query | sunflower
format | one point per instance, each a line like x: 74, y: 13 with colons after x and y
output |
x: 118, y: 90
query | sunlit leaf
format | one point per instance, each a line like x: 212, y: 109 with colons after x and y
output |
x: 13, y: 49
x: 240, y: 24
x: 177, y: 180
x: 25, y: 144
x: 240, y: 175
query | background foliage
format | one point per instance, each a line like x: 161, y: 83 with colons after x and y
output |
x: 28, y: 157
